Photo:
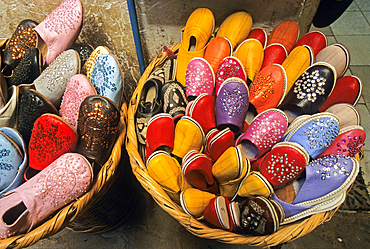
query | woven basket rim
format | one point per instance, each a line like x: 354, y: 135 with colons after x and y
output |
x: 285, y: 233
x: 70, y: 212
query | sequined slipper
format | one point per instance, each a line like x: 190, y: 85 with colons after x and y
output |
x: 32, y: 105
x: 18, y: 141
x: 53, y: 80
x: 23, y: 39
x: 51, y: 137
x: 77, y: 89
x: 84, y: 50
x: 10, y: 161
x: 90, y: 62
x: 28, y: 68
x: 59, y: 30
x: 97, y: 127
x: 330, y: 176
x: 64, y: 180
x: 107, y: 78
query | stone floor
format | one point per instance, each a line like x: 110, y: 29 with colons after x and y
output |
x: 151, y: 227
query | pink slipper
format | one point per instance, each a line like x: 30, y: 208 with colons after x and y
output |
x: 59, y: 30
x: 64, y: 180
x: 77, y: 89
x: 229, y: 67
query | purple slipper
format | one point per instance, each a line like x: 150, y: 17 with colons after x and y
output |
x: 232, y: 104
x: 329, y: 177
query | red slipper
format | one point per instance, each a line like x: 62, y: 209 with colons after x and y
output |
x: 51, y: 137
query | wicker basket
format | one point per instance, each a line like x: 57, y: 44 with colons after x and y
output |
x: 102, y: 208
x: 285, y: 233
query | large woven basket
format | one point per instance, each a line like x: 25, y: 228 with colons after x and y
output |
x: 285, y: 233
x: 105, y: 206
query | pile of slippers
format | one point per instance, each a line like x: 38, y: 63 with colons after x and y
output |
x: 248, y: 131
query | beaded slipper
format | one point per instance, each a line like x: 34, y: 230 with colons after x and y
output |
x: 84, y: 50
x: 230, y: 67
x: 284, y: 163
x: 10, y: 161
x: 266, y: 130
x: 77, y: 89
x: 330, y: 176
x: 32, y: 105
x: 199, y: 78
x: 309, y: 91
x: 51, y: 137
x: 54, y: 79
x: 268, y: 89
x: 28, y: 68
x: 23, y: 39
x: 97, y: 127
x: 232, y: 103
x: 18, y: 141
x: 64, y: 180
x: 315, y: 133
x: 107, y: 79
x: 90, y: 62
x: 349, y: 142
x: 59, y: 30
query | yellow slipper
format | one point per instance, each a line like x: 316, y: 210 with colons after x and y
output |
x: 255, y: 184
x: 188, y: 136
x: 194, y: 38
x: 229, y: 170
x: 195, y: 201
x: 166, y: 171
x: 298, y: 60
x: 251, y: 54
x: 236, y: 27
x: 230, y: 188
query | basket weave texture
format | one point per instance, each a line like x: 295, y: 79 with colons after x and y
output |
x: 285, y: 233
x: 94, y: 212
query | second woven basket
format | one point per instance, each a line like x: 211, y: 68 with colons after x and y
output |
x: 285, y: 233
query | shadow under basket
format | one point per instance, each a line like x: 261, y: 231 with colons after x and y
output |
x: 104, y: 207
x: 285, y: 233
